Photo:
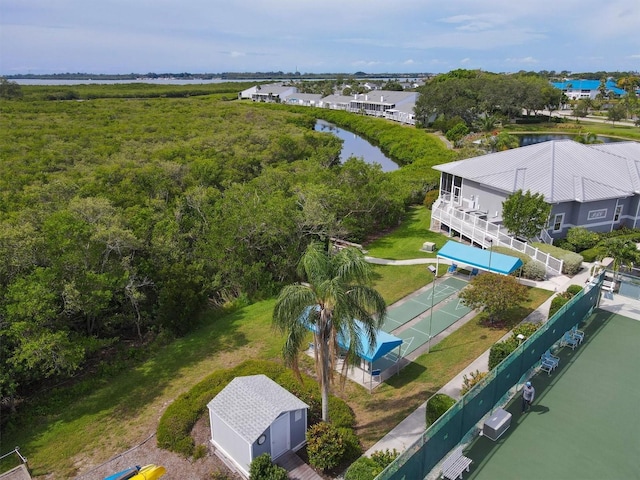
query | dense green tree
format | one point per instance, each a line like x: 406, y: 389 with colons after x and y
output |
x: 623, y: 251
x: 616, y: 113
x: 9, y: 90
x: 525, y: 214
x: 503, y: 141
x: 335, y: 292
x: 494, y: 293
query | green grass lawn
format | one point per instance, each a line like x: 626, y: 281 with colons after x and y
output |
x: 114, y: 409
x: 406, y: 241
x: 579, y: 127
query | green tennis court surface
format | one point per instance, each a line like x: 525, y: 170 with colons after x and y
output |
x: 584, y: 422
x: 402, y: 314
x: 418, y: 334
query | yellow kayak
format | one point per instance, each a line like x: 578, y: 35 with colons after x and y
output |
x: 150, y: 472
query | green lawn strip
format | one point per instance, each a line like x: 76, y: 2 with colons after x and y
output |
x: 572, y: 127
x: 406, y: 241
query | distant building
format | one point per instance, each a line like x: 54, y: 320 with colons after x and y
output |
x: 304, y: 99
x: 581, y: 89
x: 272, y: 93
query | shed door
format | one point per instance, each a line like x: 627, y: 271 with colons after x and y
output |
x: 280, y: 435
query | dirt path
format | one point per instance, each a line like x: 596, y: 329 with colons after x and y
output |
x: 208, y: 467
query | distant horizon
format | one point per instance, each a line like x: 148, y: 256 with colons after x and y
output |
x: 499, y: 36
x: 276, y: 74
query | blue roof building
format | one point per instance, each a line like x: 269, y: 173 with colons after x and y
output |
x: 579, y: 89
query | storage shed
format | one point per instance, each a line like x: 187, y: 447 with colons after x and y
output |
x: 254, y: 415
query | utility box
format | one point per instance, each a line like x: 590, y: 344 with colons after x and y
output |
x: 496, y: 424
x: 429, y: 247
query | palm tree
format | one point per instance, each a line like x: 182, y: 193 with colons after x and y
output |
x: 336, y: 295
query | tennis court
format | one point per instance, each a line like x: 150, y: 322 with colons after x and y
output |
x: 584, y: 421
x: 417, y: 335
x: 417, y: 305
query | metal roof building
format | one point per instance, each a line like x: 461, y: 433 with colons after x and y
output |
x: 253, y: 415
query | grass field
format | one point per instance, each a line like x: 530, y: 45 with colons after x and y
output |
x: 110, y: 411
x: 579, y: 127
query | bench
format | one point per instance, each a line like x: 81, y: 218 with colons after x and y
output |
x: 455, y: 464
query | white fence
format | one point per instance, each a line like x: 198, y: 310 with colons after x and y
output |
x: 487, y: 234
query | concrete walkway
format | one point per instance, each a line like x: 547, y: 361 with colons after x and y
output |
x: 412, y: 427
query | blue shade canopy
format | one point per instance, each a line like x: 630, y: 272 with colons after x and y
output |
x: 478, y: 258
x: 385, y: 342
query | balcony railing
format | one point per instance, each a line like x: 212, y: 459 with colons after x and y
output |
x: 485, y: 233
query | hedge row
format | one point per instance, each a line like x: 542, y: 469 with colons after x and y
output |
x: 572, y: 262
x: 174, y: 428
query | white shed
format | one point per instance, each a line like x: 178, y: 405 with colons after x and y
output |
x: 254, y: 415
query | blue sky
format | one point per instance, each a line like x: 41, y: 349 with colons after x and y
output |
x: 374, y: 36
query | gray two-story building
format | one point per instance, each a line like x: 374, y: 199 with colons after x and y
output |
x: 592, y: 186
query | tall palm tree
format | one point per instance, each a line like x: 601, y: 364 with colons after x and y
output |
x: 334, y: 297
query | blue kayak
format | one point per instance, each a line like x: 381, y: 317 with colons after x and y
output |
x: 124, y: 474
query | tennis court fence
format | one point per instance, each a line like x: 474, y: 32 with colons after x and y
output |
x: 495, y: 389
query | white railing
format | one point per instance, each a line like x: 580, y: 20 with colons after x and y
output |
x: 545, y: 237
x: 487, y: 234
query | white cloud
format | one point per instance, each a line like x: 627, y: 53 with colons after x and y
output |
x: 216, y: 35
x: 523, y: 60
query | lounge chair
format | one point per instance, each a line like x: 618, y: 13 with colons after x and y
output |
x: 550, y: 358
x: 569, y: 340
x: 547, y: 366
x: 577, y: 334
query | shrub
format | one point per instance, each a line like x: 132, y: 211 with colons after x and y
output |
x: 524, y: 328
x: 366, y: 468
x: 501, y: 350
x: 430, y: 197
x: 325, y: 446
x: 362, y: 469
x: 352, y: 447
x: 384, y: 457
x: 469, y: 383
x: 572, y: 262
x: 340, y: 413
x: 573, y: 290
x: 437, y: 406
x: 556, y: 304
x: 534, y: 270
x: 262, y: 468
x: 592, y: 254
x: 457, y: 132
x: 582, y: 238
x: 564, y: 244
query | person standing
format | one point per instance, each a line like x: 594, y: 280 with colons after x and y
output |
x: 528, y: 394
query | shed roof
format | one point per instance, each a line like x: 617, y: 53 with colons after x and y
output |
x: 478, y: 258
x: 249, y: 405
x: 561, y: 170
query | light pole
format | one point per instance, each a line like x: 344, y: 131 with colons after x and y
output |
x: 490, y: 240
x: 433, y: 270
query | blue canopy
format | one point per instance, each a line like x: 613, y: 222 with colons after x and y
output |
x: 385, y: 342
x: 478, y: 258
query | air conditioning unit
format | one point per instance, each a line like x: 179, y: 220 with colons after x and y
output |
x: 429, y: 247
x: 496, y: 424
